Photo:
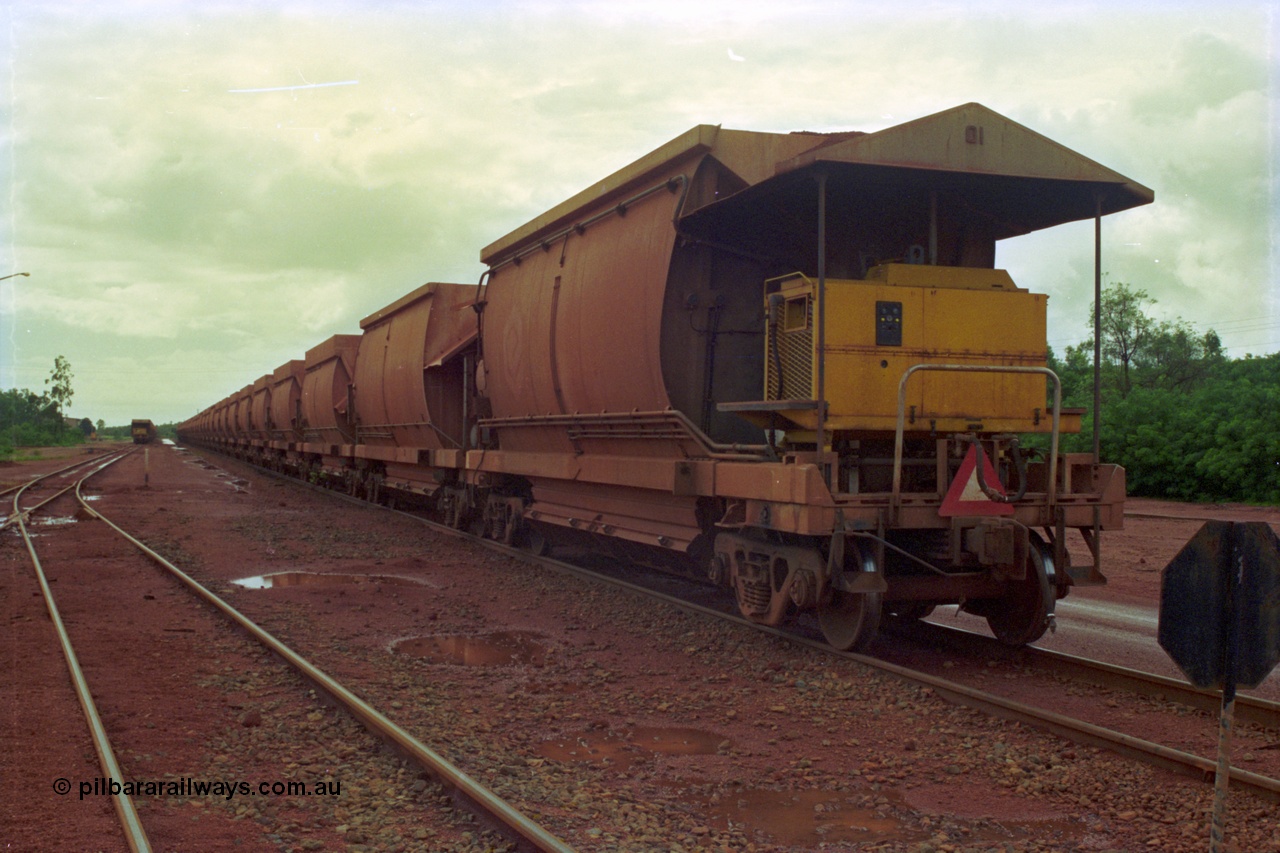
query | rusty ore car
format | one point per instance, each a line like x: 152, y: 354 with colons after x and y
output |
x: 782, y: 361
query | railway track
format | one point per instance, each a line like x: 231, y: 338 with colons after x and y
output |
x: 521, y: 832
x: 1249, y: 709
x: 1080, y: 731
x: 577, y: 692
x: 1261, y: 712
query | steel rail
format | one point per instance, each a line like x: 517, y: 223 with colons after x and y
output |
x: 54, y: 473
x: 135, y: 835
x: 1077, y: 731
x: 1069, y: 728
x: 9, y: 519
x: 1252, y: 709
x: 528, y: 835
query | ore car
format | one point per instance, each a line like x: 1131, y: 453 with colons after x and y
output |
x: 786, y: 362
x: 142, y: 431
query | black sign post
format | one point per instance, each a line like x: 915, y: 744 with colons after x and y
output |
x: 1220, y: 622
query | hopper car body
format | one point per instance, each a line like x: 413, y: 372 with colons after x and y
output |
x: 784, y: 361
x: 142, y: 431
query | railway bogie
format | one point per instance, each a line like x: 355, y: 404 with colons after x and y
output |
x: 786, y: 362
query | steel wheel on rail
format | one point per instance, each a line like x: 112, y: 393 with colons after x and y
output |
x: 1022, y: 616
x: 851, y: 620
x: 534, y: 540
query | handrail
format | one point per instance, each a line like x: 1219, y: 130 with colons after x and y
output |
x: 685, y: 429
x: 1051, y: 491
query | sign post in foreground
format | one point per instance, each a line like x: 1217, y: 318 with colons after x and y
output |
x: 1220, y: 622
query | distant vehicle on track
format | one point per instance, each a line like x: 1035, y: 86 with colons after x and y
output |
x: 143, y: 431
x: 785, y: 362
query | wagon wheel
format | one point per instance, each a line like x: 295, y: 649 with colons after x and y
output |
x: 850, y: 620
x: 534, y: 540
x: 1024, y: 614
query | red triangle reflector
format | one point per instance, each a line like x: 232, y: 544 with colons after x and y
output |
x: 965, y: 497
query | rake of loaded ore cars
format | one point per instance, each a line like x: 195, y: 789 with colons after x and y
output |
x: 783, y: 361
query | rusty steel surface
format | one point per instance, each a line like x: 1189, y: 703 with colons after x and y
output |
x: 286, y: 400
x: 329, y: 369
x: 614, y: 371
x: 593, y: 319
x: 242, y: 412
x: 260, y: 408
x: 561, y: 338
x: 409, y: 370
x: 606, y: 303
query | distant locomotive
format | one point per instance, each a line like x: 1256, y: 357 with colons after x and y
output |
x: 782, y: 361
x: 143, y: 431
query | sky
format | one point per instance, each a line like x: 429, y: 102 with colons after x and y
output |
x: 202, y: 191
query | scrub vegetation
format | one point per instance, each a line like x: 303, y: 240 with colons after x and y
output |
x: 30, y: 419
x: 1187, y: 422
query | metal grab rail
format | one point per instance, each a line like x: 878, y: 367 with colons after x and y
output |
x: 664, y: 424
x: 1051, y: 491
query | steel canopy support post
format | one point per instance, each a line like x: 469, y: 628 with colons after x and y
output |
x: 822, y: 324
x: 1097, y: 330
x: 1097, y: 374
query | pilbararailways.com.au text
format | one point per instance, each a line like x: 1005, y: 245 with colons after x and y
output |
x: 189, y: 787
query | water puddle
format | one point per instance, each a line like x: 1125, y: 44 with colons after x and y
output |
x: 807, y: 818
x: 55, y: 520
x: 620, y: 752
x: 283, y: 579
x: 501, y: 648
x: 678, y: 741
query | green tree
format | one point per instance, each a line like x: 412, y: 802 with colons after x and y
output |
x: 1126, y: 329
x: 1175, y: 357
x: 60, y: 391
x: 1186, y: 421
x: 28, y: 419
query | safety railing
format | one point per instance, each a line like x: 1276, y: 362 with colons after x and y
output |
x: 1051, y: 491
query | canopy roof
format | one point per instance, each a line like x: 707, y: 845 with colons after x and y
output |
x: 1015, y: 178
x: 1023, y: 179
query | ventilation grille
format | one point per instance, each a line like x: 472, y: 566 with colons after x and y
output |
x: 794, y: 353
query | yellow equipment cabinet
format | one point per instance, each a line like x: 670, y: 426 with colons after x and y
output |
x: 899, y: 316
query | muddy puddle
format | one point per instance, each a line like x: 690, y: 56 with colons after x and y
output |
x: 808, y: 818
x: 621, y: 751
x: 501, y: 648
x: 286, y: 579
